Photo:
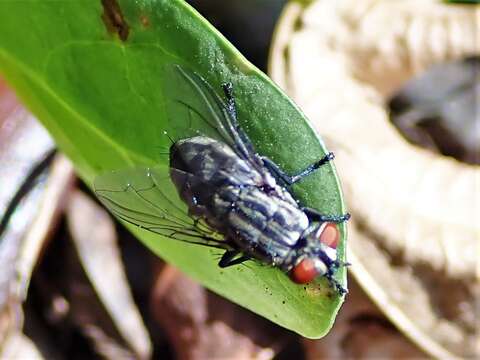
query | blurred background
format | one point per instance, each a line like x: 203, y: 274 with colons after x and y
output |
x: 396, y: 100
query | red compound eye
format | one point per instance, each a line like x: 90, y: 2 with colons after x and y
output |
x: 330, y: 235
x: 303, y: 272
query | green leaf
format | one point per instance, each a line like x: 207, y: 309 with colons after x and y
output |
x: 94, y: 74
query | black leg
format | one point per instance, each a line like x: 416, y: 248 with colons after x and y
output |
x: 232, y: 111
x: 289, y: 180
x: 277, y: 172
x: 329, y: 157
x: 317, y: 216
x: 228, y: 258
x: 334, y: 283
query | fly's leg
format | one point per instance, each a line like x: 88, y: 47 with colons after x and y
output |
x: 331, y: 279
x: 317, y: 216
x: 333, y: 282
x: 228, y: 258
x: 228, y: 90
x: 245, y: 142
x: 232, y: 111
x: 292, y: 179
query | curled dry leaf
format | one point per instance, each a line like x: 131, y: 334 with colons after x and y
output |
x: 94, y: 236
x: 438, y: 109
x: 360, y: 323
x: 72, y: 306
x: 20, y: 347
x: 201, y: 325
x: 415, y: 230
x: 23, y: 145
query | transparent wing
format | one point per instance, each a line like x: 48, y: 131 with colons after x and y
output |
x: 147, y: 198
x: 194, y: 98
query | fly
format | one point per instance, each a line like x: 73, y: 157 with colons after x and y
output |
x: 237, y: 199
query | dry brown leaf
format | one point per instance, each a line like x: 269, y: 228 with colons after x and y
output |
x: 18, y: 346
x: 360, y: 323
x: 23, y: 144
x: 93, y: 233
x: 202, y: 325
x: 46, y: 210
x: 414, y: 237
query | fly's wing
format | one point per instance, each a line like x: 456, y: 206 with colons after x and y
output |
x: 208, y: 113
x: 147, y: 198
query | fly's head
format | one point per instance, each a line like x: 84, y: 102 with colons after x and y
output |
x: 318, y: 256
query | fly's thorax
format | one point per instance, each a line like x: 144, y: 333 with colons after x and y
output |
x: 262, y: 225
x: 279, y: 221
x: 188, y: 150
x: 224, y: 200
x: 212, y: 161
x: 269, y: 180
